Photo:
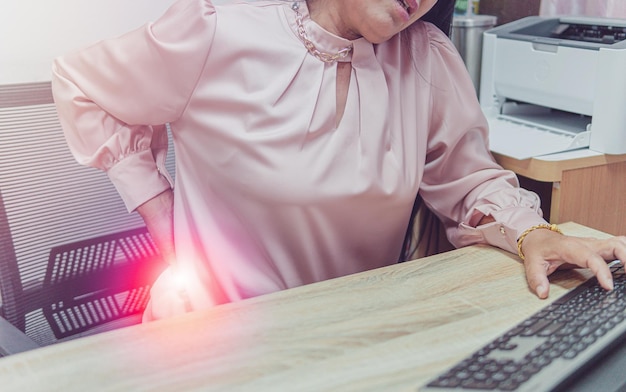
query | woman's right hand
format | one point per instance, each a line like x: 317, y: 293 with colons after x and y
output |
x: 158, y: 215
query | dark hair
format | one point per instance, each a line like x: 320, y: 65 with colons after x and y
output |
x: 441, y: 15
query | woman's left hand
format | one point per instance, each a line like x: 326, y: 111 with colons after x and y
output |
x: 545, y: 251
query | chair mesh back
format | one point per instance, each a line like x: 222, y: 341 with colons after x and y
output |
x: 10, y: 284
x: 49, y: 201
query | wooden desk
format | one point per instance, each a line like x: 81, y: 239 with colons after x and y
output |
x: 389, y: 329
x: 577, y: 186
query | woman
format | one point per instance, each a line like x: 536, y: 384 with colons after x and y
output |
x: 303, y: 133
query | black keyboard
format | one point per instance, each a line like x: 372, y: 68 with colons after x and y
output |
x: 545, y: 351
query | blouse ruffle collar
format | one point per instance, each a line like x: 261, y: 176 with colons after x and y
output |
x: 324, y: 40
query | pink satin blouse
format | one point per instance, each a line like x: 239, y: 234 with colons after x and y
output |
x: 269, y: 192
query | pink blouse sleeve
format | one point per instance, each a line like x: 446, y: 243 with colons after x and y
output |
x: 462, y: 183
x: 113, y: 98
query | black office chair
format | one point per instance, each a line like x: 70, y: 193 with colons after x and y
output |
x: 12, y: 338
x: 86, y: 287
x: 73, y: 261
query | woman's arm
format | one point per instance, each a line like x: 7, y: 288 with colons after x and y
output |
x: 158, y: 214
x: 113, y: 97
x: 480, y: 202
x: 461, y: 182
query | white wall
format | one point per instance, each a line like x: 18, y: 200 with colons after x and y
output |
x: 33, y: 32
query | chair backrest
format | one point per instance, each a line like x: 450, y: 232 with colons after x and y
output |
x: 425, y: 235
x: 10, y: 282
x: 63, y: 227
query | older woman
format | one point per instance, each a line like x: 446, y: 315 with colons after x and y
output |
x: 303, y: 133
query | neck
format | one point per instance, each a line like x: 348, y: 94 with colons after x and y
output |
x: 326, y: 14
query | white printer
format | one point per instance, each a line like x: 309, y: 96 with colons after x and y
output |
x: 555, y: 84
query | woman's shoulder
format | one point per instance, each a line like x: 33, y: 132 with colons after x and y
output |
x: 239, y: 20
x: 426, y: 37
x: 424, y: 47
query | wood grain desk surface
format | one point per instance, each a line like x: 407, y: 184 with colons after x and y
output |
x: 389, y: 329
x: 549, y: 169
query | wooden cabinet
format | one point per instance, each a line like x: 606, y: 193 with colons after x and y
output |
x: 587, y: 189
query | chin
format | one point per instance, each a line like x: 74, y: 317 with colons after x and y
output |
x: 378, y: 39
x: 381, y: 36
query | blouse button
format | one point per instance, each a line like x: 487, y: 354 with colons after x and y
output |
x: 502, y: 230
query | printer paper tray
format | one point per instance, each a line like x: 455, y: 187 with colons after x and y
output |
x: 524, y: 140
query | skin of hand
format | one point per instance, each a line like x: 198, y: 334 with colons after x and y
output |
x: 545, y: 251
x: 158, y: 215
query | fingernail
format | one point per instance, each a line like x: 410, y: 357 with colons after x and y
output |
x: 541, y: 291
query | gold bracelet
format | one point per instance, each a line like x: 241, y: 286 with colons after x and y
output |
x: 520, y: 240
